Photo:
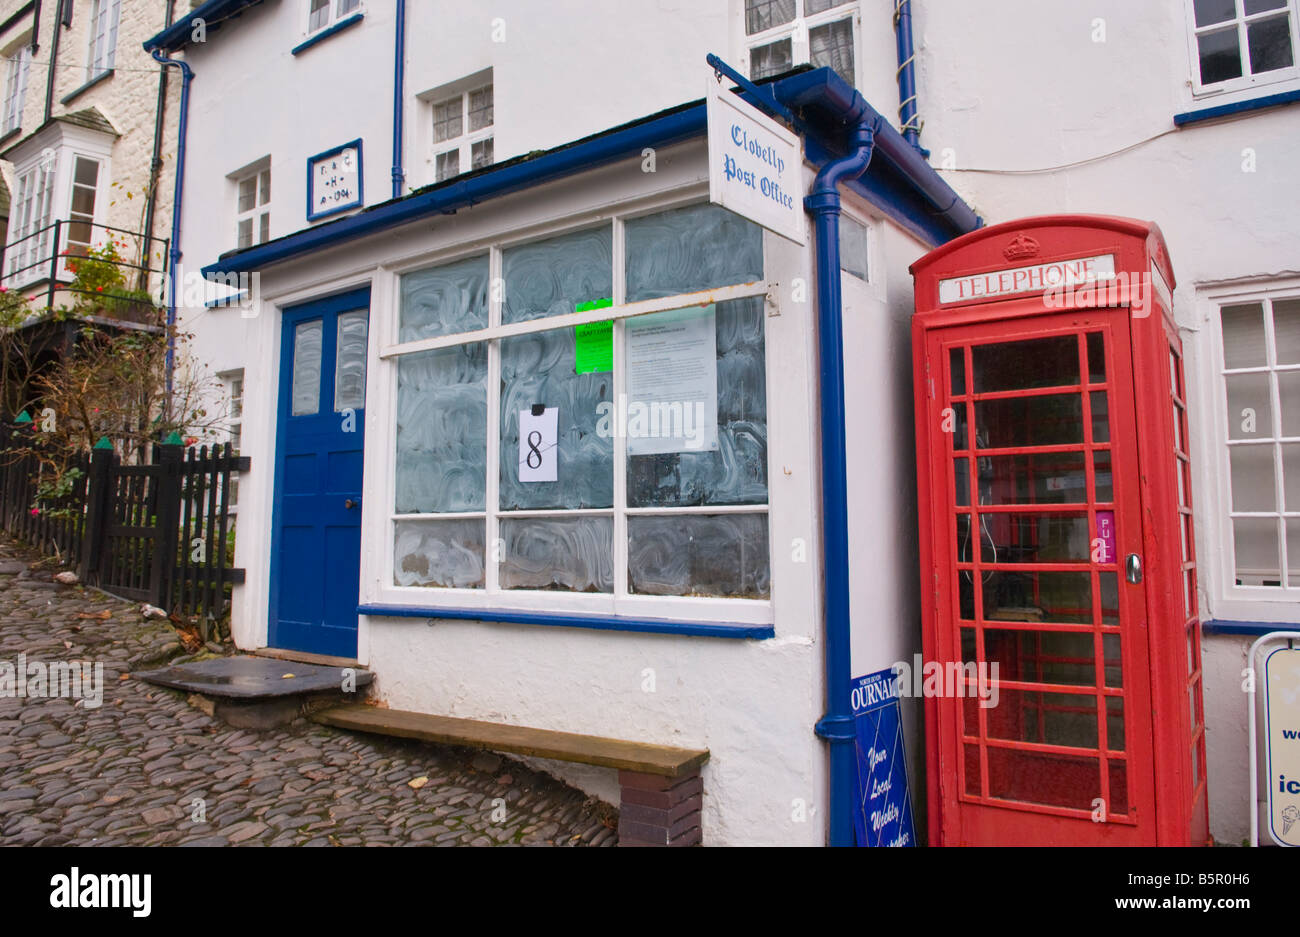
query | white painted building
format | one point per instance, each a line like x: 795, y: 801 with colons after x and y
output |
x: 282, y: 88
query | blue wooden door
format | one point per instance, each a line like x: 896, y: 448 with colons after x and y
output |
x: 316, y: 525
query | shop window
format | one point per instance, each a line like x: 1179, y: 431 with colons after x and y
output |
x: 17, y: 66
x: 1236, y: 44
x: 252, y: 209
x: 324, y: 13
x: 623, y: 458
x: 462, y: 133
x: 781, y: 34
x: 104, y: 15
x: 1261, y: 393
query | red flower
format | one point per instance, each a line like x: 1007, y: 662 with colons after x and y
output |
x: 99, y: 289
x: 35, y: 511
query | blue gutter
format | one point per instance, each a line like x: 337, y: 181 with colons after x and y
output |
x: 836, y: 725
x: 174, y: 253
x: 180, y: 34
x: 900, y: 182
x: 399, y: 68
x: 908, y: 124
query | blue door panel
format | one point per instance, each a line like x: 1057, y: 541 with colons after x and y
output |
x: 316, y: 524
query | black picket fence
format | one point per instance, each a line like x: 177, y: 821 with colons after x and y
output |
x: 159, y: 532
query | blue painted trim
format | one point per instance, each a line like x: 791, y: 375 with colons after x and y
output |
x: 179, y: 35
x: 906, y: 73
x: 707, y: 629
x: 901, y: 183
x: 361, y: 194
x: 399, y: 71
x: 290, y: 316
x: 1239, y: 107
x: 327, y: 32
x: 1247, y: 628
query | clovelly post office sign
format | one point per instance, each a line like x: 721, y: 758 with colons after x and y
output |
x: 755, y: 165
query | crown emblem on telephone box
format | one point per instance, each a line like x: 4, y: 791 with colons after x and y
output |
x: 1021, y: 246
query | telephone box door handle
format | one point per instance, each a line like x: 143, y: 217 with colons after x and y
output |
x: 1133, y: 568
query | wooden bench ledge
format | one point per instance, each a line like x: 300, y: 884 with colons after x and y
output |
x: 518, y: 740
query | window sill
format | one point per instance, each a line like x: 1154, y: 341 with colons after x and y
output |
x: 708, y: 629
x: 72, y: 96
x: 327, y: 32
x: 1246, y: 628
x: 1237, y: 107
x: 9, y: 135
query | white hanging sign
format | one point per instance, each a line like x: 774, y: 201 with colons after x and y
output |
x: 755, y: 164
x: 1282, y: 738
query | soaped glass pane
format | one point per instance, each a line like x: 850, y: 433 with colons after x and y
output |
x: 539, y: 369
x: 689, y: 249
x: 570, y: 554
x: 306, y: 367
x: 717, y: 555
x: 442, y: 430
x: 735, y: 472
x: 350, y: 362
x: 446, y: 553
x: 551, y: 277
x: 443, y: 300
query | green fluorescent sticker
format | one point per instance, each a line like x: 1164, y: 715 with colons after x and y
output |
x: 594, y: 347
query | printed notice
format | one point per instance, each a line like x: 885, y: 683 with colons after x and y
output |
x: 672, y: 382
x: 538, y: 442
x: 593, y: 345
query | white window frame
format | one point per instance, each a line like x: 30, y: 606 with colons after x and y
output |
x: 684, y: 609
x: 798, y: 29
x: 464, y: 143
x: 234, y: 385
x: 17, y: 70
x: 261, y: 207
x: 96, y: 207
x: 101, y: 50
x: 335, y: 12
x: 1226, y: 599
x: 1244, y: 87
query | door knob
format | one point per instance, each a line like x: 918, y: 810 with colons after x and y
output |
x: 1133, y: 568
x: 350, y: 504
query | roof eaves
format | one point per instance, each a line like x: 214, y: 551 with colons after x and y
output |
x: 181, y: 33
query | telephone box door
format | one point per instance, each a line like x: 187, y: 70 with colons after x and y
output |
x: 1043, y: 620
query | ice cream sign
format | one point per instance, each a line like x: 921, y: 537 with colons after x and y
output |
x: 334, y: 181
x: 755, y: 164
x: 1282, y: 737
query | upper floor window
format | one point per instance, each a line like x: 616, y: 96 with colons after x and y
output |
x: 103, y: 36
x: 17, y: 65
x: 781, y: 34
x: 253, y: 211
x: 462, y: 133
x: 81, y: 208
x: 1261, y: 386
x: 31, y: 220
x: 323, y: 13
x: 1239, y: 43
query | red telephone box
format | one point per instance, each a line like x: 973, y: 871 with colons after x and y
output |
x: 1057, y: 559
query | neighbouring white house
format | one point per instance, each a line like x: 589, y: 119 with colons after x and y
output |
x: 458, y: 234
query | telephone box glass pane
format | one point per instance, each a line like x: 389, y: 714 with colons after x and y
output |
x: 1113, y: 661
x: 1046, y: 420
x: 1035, y: 538
x: 1064, y: 657
x: 1243, y: 336
x: 1039, y: 362
x: 1062, y: 597
x: 961, y: 482
x: 1100, y: 416
x: 1068, y: 719
x: 957, y: 365
x: 1102, y: 479
x: 1053, y: 780
x: 1115, y: 723
x: 1033, y: 478
x: 1096, y: 358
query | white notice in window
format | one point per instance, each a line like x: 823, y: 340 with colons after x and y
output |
x: 538, y: 439
x: 672, y: 382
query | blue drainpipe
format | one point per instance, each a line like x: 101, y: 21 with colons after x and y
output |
x: 399, y: 70
x: 836, y: 726
x: 174, y: 253
x: 908, y: 124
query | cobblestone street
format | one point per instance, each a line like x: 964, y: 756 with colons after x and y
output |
x: 147, y: 768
